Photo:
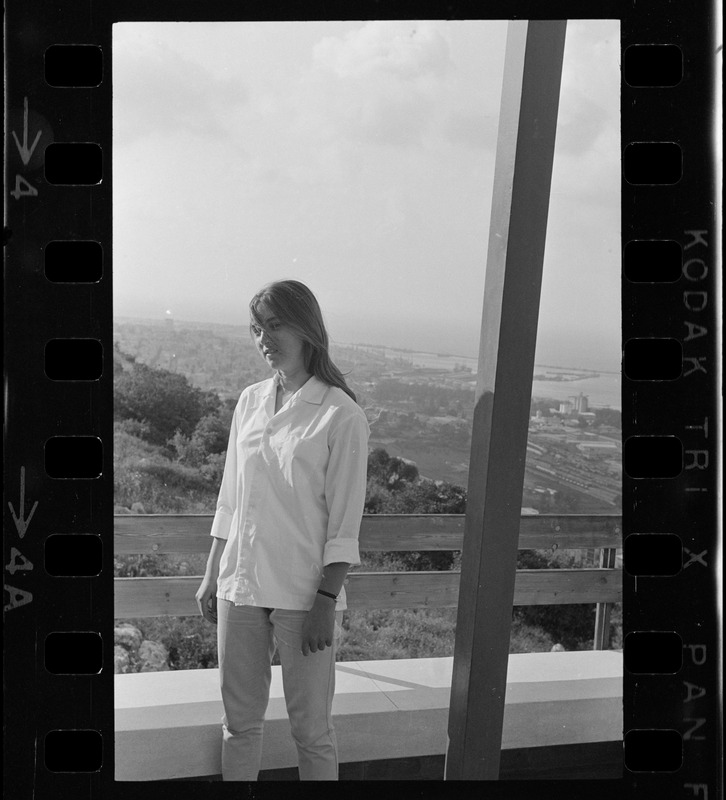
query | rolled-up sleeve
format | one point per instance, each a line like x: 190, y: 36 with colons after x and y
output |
x: 345, y: 488
x: 227, y: 499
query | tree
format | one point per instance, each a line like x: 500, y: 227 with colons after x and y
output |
x: 608, y: 416
x: 163, y: 399
x: 390, y: 472
x: 212, y: 432
x: 210, y: 438
x: 429, y: 497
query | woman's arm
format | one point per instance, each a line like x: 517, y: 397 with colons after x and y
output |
x: 319, y: 625
x: 345, y: 488
x: 207, y: 593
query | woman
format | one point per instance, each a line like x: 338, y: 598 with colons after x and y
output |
x: 284, y: 534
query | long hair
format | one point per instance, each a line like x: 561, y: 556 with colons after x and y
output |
x: 295, y: 305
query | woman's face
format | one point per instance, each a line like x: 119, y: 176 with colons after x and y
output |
x: 279, y: 345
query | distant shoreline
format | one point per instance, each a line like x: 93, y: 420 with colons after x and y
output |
x: 228, y: 326
x: 471, y: 358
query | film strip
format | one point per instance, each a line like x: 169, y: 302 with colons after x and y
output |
x: 58, y: 551
x: 670, y: 268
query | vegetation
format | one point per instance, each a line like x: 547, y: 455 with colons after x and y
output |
x: 426, y: 397
x: 164, y: 401
x: 170, y: 440
x: 169, y: 448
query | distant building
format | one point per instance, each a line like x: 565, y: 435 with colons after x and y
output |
x: 575, y: 404
x: 579, y: 403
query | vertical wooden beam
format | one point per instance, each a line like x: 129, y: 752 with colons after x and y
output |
x: 525, y: 150
x: 601, y: 636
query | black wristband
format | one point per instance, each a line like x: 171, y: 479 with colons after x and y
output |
x: 328, y: 594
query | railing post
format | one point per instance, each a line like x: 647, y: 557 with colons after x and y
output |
x: 601, y: 638
x: 517, y: 232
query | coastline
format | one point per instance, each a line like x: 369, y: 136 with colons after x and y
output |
x: 601, y: 386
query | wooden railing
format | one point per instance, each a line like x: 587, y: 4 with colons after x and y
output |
x: 179, y: 534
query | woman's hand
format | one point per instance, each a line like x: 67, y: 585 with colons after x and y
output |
x: 207, y: 600
x: 319, y: 626
x: 206, y: 595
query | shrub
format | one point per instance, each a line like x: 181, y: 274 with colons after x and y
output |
x: 132, y: 427
x: 190, y: 641
x: 570, y: 625
x: 164, y: 400
x: 143, y: 474
x: 397, y: 633
x: 208, y: 439
x: 526, y: 638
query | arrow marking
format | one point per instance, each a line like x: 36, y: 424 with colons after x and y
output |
x: 19, y: 519
x: 26, y: 153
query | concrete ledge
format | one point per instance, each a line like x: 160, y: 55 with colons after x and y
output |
x: 168, y: 724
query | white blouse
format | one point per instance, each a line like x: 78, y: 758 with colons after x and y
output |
x: 292, y: 494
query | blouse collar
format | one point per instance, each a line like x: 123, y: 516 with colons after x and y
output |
x: 312, y: 391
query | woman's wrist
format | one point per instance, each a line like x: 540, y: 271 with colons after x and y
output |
x: 332, y: 580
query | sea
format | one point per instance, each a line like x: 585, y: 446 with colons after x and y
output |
x: 601, y: 388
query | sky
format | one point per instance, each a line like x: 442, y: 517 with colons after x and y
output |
x: 357, y: 157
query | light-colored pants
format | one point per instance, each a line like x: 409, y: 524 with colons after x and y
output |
x: 246, y: 638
